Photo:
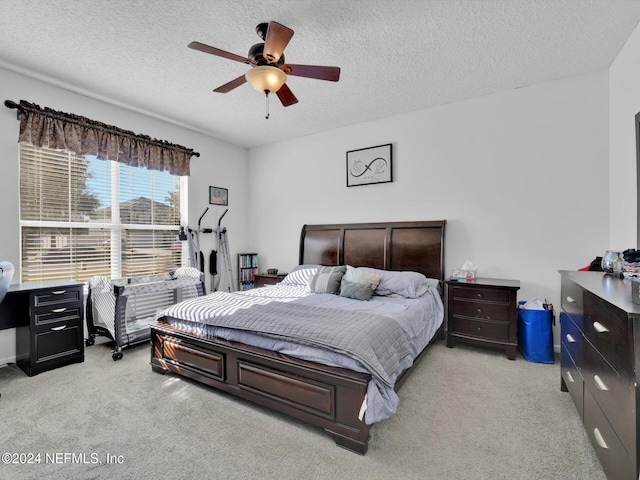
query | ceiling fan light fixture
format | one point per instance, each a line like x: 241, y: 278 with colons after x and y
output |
x: 265, y: 78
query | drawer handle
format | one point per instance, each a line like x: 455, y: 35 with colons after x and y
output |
x: 479, y: 295
x: 599, y: 439
x: 59, y: 310
x: 58, y: 292
x: 570, y: 338
x: 570, y: 377
x: 61, y: 327
x: 599, y: 327
x: 599, y: 383
x: 570, y: 300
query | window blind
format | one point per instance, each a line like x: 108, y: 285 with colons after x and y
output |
x: 81, y: 216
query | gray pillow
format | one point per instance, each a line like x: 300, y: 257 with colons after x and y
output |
x: 357, y: 291
x: 327, y: 279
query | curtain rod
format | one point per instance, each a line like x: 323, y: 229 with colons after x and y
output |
x: 85, y: 122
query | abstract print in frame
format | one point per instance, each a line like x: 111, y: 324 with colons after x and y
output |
x: 366, y: 166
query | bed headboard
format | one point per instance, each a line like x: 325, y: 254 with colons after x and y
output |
x: 415, y: 246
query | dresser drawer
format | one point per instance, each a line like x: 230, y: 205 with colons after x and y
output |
x: 613, y: 392
x: 607, y: 329
x: 488, y: 329
x: 56, y: 296
x: 489, y: 311
x: 571, y: 339
x: 572, y: 300
x: 482, y: 294
x: 616, y: 461
x: 44, y: 317
x: 573, y: 380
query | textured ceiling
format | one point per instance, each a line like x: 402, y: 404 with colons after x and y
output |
x: 396, y: 56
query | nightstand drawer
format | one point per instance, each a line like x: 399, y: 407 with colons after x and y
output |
x: 489, y: 311
x: 480, y: 328
x: 481, y: 294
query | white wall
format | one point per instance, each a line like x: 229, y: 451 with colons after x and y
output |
x: 521, y: 178
x: 219, y: 164
x: 624, y: 104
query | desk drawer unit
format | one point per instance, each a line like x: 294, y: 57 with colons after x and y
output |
x: 53, y: 336
x: 483, y: 312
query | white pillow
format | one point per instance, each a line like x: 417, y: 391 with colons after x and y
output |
x: 406, y: 284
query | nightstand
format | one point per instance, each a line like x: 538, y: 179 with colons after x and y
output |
x: 483, y: 312
x: 262, y: 279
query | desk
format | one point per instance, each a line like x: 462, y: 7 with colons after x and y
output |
x: 48, y: 318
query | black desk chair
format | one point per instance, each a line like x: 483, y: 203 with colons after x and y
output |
x: 6, y: 274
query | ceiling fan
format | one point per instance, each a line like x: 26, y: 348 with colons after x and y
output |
x: 268, y: 72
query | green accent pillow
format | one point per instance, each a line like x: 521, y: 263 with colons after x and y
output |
x: 327, y: 279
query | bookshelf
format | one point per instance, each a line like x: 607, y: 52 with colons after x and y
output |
x: 247, y: 270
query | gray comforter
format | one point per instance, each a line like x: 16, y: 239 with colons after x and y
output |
x: 377, y: 342
x: 231, y: 316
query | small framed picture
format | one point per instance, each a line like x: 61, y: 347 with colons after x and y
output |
x: 218, y: 196
x: 369, y: 165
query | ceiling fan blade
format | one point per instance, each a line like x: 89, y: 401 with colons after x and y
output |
x: 286, y: 96
x: 331, y: 74
x: 276, y: 41
x: 220, y: 53
x: 227, y: 87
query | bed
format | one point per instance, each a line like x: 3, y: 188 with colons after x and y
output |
x: 336, y: 392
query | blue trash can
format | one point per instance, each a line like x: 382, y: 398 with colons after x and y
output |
x: 535, y: 335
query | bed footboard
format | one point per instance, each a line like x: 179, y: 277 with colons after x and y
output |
x: 326, y: 397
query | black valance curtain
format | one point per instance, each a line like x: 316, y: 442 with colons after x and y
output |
x: 44, y: 127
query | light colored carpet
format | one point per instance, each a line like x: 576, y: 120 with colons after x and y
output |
x: 465, y: 413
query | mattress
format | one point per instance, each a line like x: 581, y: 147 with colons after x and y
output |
x: 418, y: 318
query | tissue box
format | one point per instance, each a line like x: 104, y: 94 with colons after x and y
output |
x: 463, y: 275
x: 635, y: 291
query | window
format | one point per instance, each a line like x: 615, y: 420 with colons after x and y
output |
x: 81, y: 216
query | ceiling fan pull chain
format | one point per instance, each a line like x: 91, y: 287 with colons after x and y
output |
x: 266, y: 92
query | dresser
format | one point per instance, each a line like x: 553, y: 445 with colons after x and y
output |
x: 483, y: 312
x: 49, y: 322
x: 600, y: 336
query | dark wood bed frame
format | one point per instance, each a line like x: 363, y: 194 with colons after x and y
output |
x: 323, y: 396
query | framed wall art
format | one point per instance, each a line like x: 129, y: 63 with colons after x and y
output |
x: 369, y: 165
x: 218, y: 196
